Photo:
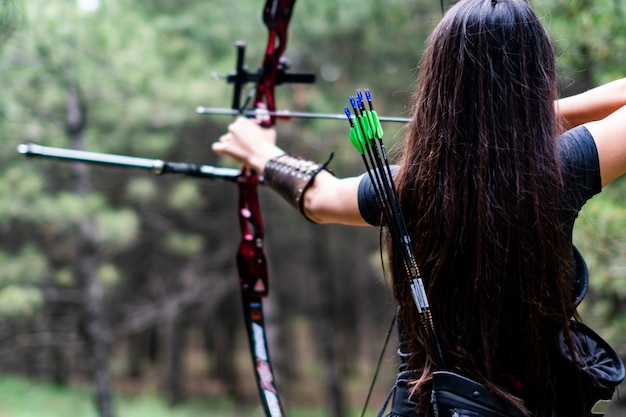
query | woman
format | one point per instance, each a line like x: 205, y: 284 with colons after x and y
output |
x: 490, y: 192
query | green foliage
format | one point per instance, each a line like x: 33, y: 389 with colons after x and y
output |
x: 27, y: 267
x: 19, y: 301
x: 116, y: 230
x: 109, y: 275
x: 64, y: 278
x: 184, y: 244
x: 20, y: 397
x: 589, y: 39
x: 185, y: 195
x: 599, y: 235
x: 20, y: 274
x: 19, y: 188
x: 143, y: 67
x: 60, y: 46
x: 141, y: 190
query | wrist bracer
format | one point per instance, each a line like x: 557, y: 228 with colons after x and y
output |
x: 291, y: 177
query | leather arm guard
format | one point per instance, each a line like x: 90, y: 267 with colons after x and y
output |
x: 292, y: 176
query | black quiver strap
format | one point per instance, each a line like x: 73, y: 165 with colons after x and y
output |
x: 455, y: 395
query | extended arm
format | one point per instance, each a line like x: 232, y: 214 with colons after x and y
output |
x: 327, y: 200
x: 592, y: 105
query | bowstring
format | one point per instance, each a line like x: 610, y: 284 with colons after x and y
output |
x: 379, y: 364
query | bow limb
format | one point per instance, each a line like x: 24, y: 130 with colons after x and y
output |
x: 251, y: 260
x: 276, y: 16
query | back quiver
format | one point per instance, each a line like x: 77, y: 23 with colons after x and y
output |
x: 596, y: 372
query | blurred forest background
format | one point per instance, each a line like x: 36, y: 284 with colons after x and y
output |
x: 125, y: 282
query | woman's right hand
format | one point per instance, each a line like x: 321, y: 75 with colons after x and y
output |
x: 248, y: 143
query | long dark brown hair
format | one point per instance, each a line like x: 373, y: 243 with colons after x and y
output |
x: 480, y: 184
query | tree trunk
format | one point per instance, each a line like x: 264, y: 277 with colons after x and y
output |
x: 174, y: 372
x: 219, y: 330
x: 321, y: 263
x: 95, y: 329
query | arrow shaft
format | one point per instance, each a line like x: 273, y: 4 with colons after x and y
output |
x: 289, y: 114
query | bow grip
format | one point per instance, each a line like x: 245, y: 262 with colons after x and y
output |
x: 251, y: 261
x: 252, y: 267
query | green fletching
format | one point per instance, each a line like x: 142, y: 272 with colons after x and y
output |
x: 361, y: 137
x: 376, y: 123
x: 372, y: 125
x: 367, y: 129
x: 356, y: 142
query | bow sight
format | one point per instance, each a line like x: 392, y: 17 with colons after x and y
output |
x: 241, y: 76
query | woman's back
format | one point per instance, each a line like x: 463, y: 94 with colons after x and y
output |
x: 481, y: 183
